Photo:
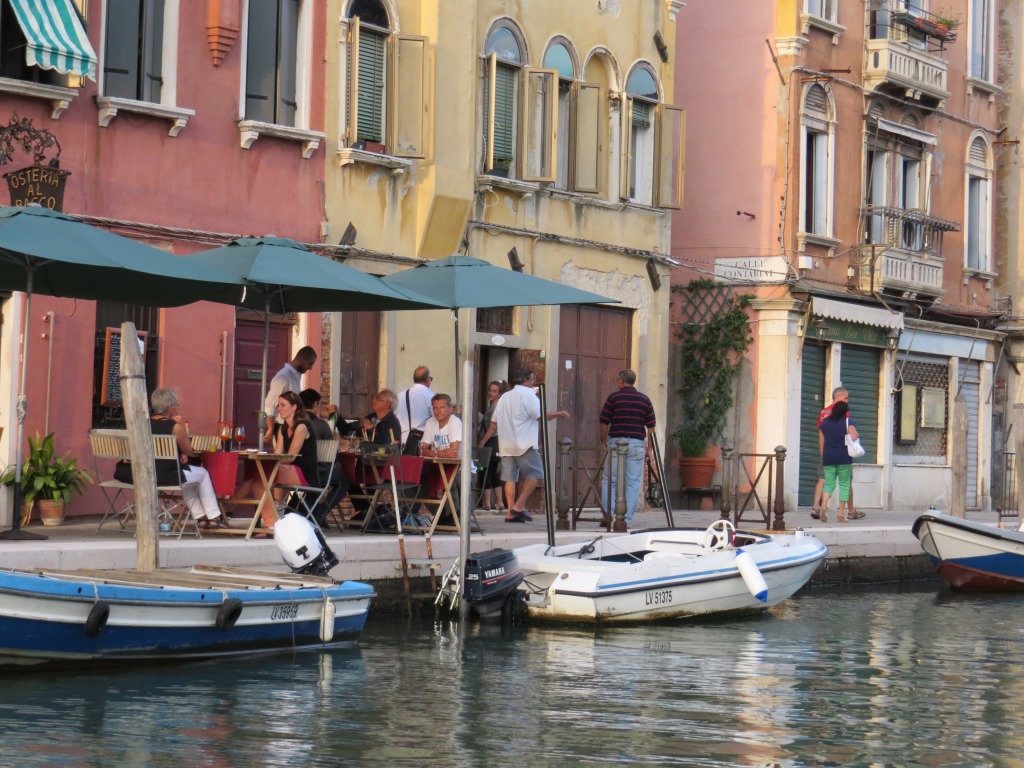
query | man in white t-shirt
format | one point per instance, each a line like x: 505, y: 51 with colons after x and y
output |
x: 414, y: 404
x: 442, y: 433
x: 515, y: 418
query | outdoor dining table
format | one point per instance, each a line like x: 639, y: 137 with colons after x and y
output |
x: 447, y: 470
x: 267, y: 466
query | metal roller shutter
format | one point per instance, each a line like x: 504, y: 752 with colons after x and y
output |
x: 858, y: 371
x: 812, y: 400
x: 970, y: 391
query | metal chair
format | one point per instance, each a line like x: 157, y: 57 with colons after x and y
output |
x: 309, y: 496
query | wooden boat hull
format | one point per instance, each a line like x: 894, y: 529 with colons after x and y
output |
x: 55, y: 617
x: 658, y: 575
x: 972, y: 556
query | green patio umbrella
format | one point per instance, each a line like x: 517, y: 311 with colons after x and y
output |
x: 42, y: 251
x: 282, y: 275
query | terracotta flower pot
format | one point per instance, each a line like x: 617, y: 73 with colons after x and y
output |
x: 50, y: 512
x: 696, y: 472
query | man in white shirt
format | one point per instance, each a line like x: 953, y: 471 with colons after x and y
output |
x: 515, y: 418
x: 414, y: 403
x: 442, y: 434
x: 288, y: 379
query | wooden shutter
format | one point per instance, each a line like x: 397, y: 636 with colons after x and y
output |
x: 670, y: 145
x: 287, y: 61
x: 858, y: 372
x: 812, y: 400
x: 352, y: 90
x: 540, y: 124
x: 586, y: 134
x: 121, y: 55
x: 153, y: 51
x: 370, y: 115
x: 408, y: 91
x: 625, y: 149
x: 499, y: 119
x: 260, y: 63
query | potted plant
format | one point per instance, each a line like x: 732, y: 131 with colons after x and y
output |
x: 713, y: 345
x: 48, y: 480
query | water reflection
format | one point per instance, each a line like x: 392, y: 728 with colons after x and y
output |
x: 882, y: 677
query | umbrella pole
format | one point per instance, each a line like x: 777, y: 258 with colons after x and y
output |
x: 549, y: 483
x: 16, y: 532
x: 263, y: 380
x: 465, y: 487
x: 458, y: 390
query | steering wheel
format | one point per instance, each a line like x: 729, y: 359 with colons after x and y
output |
x: 719, y: 535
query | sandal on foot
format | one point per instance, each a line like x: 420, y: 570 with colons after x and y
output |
x: 814, y: 514
x: 841, y: 519
x: 823, y: 516
x: 515, y: 519
x: 855, y: 515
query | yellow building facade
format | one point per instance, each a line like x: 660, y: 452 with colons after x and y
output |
x: 534, y: 135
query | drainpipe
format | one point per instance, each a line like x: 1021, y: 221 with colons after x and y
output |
x: 50, y: 318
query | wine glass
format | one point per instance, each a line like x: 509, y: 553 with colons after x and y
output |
x: 225, y: 434
x: 239, y: 435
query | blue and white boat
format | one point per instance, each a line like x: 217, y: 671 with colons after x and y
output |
x: 665, y: 574
x: 69, y: 617
x: 122, y: 615
x: 972, y: 556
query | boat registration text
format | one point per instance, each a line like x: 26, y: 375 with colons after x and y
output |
x: 658, y: 598
x: 286, y: 611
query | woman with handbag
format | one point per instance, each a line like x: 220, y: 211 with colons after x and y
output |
x: 836, y: 458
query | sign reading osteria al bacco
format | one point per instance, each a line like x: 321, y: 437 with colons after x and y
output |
x: 38, y: 184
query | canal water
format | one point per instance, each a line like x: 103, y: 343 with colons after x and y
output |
x: 866, y: 677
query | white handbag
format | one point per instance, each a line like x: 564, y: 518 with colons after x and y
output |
x: 853, y: 447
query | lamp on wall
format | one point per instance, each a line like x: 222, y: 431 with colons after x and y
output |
x: 652, y: 274
x: 513, y: 260
x: 820, y: 328
x: 659, y: 43
x: 892, y: 339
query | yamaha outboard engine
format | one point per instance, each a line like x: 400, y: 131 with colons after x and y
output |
x: 303, y: 546
x: 491, y: 583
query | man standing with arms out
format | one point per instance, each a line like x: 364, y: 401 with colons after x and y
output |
x: 288, y: 379
x: 629, y: 414
x: 515, y: 418
x: 839, y: 394
x: 414, y: 403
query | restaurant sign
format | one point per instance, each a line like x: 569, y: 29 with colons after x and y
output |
x: 38, y: 184
x: 854, y: 333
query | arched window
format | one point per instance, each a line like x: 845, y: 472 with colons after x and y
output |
x: 385, y: 86
x: 816, y: 184
x: 559, y: 59
x: 652, y: 144
x: 520, y: 110
x: 977, y: 245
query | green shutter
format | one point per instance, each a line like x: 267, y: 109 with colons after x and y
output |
x: 641, y: 114
x: 858, y: 371
x: 812, y: 400
x: 504, y: 116
x: 372, y: 50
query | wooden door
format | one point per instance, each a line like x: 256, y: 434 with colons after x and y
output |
x: 248, y: 398
x: 359, y: 352
x: 594, y: 346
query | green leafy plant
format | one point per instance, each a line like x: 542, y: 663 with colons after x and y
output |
x: 47, y: 476
x: 711, y: 355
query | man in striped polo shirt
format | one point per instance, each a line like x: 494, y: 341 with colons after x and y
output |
x: 627, y: 413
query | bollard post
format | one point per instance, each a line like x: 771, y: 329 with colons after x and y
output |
x: 562, y: 500
x: 726, y: 481
x: 621, y: 447
x: 779, y: 523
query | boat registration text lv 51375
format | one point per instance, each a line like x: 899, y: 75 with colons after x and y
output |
x: 287, y: 611
x: 658, y: 598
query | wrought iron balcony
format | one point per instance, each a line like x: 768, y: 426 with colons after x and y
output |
x: 902, y: 251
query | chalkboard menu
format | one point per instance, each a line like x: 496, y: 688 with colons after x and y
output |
x: 111, y: 392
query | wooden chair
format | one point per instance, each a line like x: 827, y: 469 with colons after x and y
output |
x: 202, y: 443
x: 174, y: 509
x: 112, y: 444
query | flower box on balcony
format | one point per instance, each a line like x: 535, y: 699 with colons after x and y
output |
x: 940, y: 30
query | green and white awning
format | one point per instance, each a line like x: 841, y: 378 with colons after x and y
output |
x: 55, y: 36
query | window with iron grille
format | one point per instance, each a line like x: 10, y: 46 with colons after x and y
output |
x: 110, y: 315
x: 931, y: 440
x: 496, y: 320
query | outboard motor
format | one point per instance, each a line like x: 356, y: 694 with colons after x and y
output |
x: 303, y: 546
x: 491, y: 582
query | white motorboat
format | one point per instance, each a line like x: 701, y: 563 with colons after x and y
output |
x: 664, y: 574
x: 970, y: 555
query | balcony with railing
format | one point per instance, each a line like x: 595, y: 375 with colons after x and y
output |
x: 902, y: 252
x: 903, y: 50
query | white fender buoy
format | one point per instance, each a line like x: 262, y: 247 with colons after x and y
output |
x: 327, y: 622
x: 751, y: 575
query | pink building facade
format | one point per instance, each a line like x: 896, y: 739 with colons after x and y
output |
x: 841, y: 170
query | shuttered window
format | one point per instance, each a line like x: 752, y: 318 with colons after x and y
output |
x: 971, y: 390
x: 859, y: 370
x: 270, y: 66
x: 504, y: 135
x: 133, y: 58
x: 372, y: 52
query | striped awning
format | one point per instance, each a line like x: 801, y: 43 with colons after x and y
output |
x: 55, y: 35
x: 856, y: 313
